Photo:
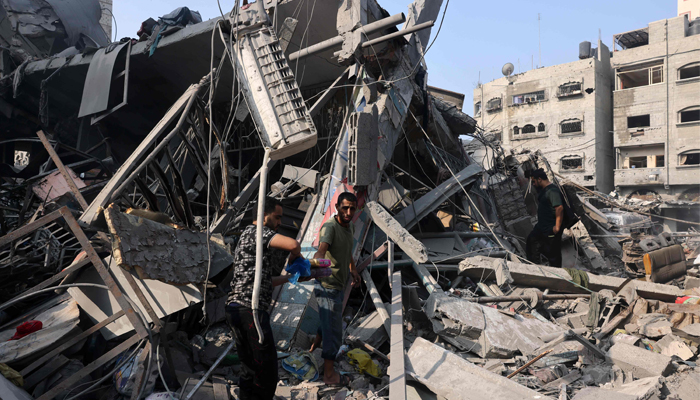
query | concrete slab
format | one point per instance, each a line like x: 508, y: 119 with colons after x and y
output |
x: 455, y: 378
x: 640, y: 362
x: 642, y: 389
x: 594, y: 393
x: 393, y: 229
x: 556, y: 279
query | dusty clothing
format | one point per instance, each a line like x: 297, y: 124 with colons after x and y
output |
x: 330, y: 311
x: 258, y: 379
x: 340, y: 241
x: 541, y: 244
x: 548, y: 199
x: 244, y: 269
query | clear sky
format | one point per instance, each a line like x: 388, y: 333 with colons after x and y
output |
x: 477, y: 37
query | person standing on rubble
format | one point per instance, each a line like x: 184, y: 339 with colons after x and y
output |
x: 259, y: 373
x: 545, y: 237
x: 335, y: 244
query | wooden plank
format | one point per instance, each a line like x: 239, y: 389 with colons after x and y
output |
x: 62, y: 169
x: 397, y: 369
x: 57, y: 351
x: 73, y: 379
x: 45, y: 371
x: 104, y: 273
x: 29, y: 228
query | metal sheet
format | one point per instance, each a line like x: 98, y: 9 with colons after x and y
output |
x: 81, y: 18
x: 98, y: 81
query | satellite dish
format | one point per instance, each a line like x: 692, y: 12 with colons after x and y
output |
x: 507, y: 69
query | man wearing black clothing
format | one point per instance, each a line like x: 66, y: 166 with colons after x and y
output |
x: 545, y: 238
x: 259, y: 361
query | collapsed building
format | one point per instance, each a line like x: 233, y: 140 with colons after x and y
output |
x: 129, y: 170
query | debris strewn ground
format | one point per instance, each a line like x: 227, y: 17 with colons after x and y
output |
x: 120, y: 211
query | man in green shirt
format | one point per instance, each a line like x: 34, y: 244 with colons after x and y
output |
x: 545, y: 237
x: 335, y: 244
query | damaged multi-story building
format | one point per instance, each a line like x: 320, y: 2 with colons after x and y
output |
x: 656, y: 111
x: 563, y: 110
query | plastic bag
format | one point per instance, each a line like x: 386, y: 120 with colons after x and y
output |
x: 298, y: 268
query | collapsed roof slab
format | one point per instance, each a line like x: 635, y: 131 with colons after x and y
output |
x: 455, y: 378
x: 557, y: 279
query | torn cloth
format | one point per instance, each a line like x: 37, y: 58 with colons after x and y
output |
x: 578, y: 277
x: 593, y: 310
x: 302, y: 366
x: 26, y: 328
x: 11, y: 375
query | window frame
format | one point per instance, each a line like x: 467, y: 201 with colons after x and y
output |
x: 527, y: 95
x: 573, y: 93
x: 650, y: 70
x: 570, y: 120
x: 687, y: 152
x: 477, y: 111
x: 689, y: 108
x: 688, y: 66
x: 571, y: 157
x: 490, y: 109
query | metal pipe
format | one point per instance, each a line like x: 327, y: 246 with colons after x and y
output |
x: 504, y: 299
x: 527, y: 364
x: 368, y: 29
x: 259, y: 245
x: 402, y: 32
x: 213, y: 367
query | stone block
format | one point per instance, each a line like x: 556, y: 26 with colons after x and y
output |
x: 640, y: 362
x: 672, y: 345
x: 692, y: 282
x: 595, y: 393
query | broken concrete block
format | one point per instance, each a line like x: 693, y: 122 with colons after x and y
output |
x: 672, y: 345
x: 467, y: 314
x: 640, y: 362
x: 409, y: 244
x: 687, y: 387
x: 455, y: 378
x: 158, y: 251
x: 654, y: 325
x: 574, y: 320
x: 692, y: 282
x: 595, y: 393
x: 642, y: 389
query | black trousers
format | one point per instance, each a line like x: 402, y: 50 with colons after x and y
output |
x: 539, y: 244
x: 259, y: 377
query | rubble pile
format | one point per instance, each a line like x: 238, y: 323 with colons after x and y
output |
x: 121, y: 205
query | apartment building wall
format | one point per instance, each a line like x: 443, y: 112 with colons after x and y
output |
x: 661, y: 137
x: 591, y: 107
x: 690, y: 8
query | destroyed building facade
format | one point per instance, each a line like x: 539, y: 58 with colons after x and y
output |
x: 564, y: 110
x: 657, y: 114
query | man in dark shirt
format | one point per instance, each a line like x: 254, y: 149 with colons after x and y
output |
x: 259, y: 361
x: 335, y: 243
x: 545, y: 238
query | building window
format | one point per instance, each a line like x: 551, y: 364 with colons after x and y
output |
x: 660, y: 161
x: 689, y: 71
x: 569, y: 89
x: 540, y: 127
x: 638, y: 162
x: 477, y: 108
x: 533, y: 97
x: 571, y: 126
x: 493, y: 104
x: 639, y: 121
x: 690, y: 114
x: 640, y: 77
x: 528, y: 129
x: 571, y: 163
x: 689, y: 158
x: 516, y: 130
